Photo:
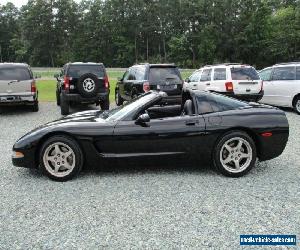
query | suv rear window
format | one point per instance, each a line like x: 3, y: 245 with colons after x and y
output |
x: 79, y: 70
x: 20, y: 74
x: 284, y: 73
x: 244, y: 74
x: 163, y: 74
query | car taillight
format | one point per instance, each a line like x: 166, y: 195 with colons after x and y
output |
x: 229, y: 86
x: 262, y: 86
x: 33, y: 87
x: 106, y: 82
x: 146, y: 87
x: 66, y: 82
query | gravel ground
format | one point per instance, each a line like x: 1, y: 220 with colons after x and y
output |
x: 174, y: 207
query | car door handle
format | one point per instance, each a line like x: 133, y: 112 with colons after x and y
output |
x: 208, y: 83
x: 190, y: 123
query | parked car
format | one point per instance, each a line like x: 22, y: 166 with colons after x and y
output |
x: 235, y: 80
x: 80, y: 82
x: 142, y: 78
x: 208, y: 128
x: 282, y: 85
x: 17, y: 85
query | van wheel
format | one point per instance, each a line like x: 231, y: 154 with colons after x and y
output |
x: 57, y: 98
x: 234, y: 154
x: 297, y: 105
x: 64, y: 106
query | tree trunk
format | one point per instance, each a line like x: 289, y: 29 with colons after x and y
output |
x: 135, y: 49
x: 165, y: 52
x: 147, y: 56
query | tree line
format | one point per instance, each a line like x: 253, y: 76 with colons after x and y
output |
x: 119, y: 33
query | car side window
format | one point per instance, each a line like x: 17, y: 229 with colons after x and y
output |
x: 265, y: 75
x: 195, y: 77
x: 298, y: 73
x: 140, y: 73
x: 284, y: 73
x: 220, y: 74
x: 131, y: 76
x: 206, y: 75
x: 126, y: 75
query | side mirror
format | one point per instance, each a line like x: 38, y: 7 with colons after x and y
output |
x: 142, y: 119
x: 56, y: 76
x: 187, y: 80
x: 120, y: 79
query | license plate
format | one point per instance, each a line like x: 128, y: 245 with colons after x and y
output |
x: 167, y: 87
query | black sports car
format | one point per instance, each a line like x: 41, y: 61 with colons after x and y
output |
x: 205, y: 127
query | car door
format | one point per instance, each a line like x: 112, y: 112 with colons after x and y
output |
x: 168, y: 136
x: 128, y: 84
x: 205, y: 80
x: 265, y: 75
x: 121, y: 83
x: 281, y: 89
x: 193, y: 81
x: 219, y: 77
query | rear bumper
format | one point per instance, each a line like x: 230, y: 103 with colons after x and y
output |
x: 78, y: 98
x: 246, y: 97
x: 6, y: 100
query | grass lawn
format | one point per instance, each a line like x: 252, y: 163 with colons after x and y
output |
x: 47, y: 88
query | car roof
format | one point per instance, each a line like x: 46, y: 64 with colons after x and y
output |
x: 287, y: 64
x: 4, y: 65
x: 226, y: 65
x: 84, y: 63
x: 153, y: 65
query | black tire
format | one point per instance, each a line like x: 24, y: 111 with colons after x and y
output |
x: 104, y: 104
x: 78, y: 155
x: 64, y: 106
x: 88, y: 85
x: 35, y: 107
x: 235, y: 155
x: 119, y: 100
x: 57, y: 98
x: 297, y: 105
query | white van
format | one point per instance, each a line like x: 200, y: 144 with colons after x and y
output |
x: 282, y: 85
x: 236, y: 80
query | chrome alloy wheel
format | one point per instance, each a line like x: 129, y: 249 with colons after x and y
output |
x: 88, y: 85
x: 59, y: 159
x: 236, y: 155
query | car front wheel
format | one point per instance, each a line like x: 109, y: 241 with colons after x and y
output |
x: 297, y: 105
x: 118, y: 98
x: 235, y: 154
x: 64, y: 106
x: 61, y: 158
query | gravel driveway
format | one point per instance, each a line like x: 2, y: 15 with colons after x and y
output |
x: 143, y: 207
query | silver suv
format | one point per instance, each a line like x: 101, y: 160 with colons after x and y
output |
x: 17, y: 85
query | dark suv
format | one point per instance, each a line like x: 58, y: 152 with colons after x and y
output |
x: 82, y: 83
x: 142, y: 78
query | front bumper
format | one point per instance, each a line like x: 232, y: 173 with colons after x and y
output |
x: 78, y: 98
x: 27, y: 161
x: 246, y: 97
x: 7, y: 100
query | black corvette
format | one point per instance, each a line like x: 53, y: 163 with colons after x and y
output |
x: 206, y: 127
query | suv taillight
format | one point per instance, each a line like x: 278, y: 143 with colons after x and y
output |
x: 33, y: 87
x: 66, y: 82
x: 229, y: 86
x: 106, y: 82
x: 146, y: 87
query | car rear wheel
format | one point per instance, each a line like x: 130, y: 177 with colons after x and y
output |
x: 57, y: 98
x: 64, y: 106
x: 234, y: 154
x: 297, y: 105
x: 35, y: 107
x: 61, y: 158
x: 118, y: 98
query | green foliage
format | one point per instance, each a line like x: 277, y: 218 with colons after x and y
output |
x: 120, y: 33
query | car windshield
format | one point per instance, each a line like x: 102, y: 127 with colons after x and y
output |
x: 78, y: 70
x: 244, y: 74
x: 122, y: 111
x: 164, y: 74
x: 13, y: 73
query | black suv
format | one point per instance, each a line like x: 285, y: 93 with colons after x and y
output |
x: 142, y: 78
x: 82, y: 83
